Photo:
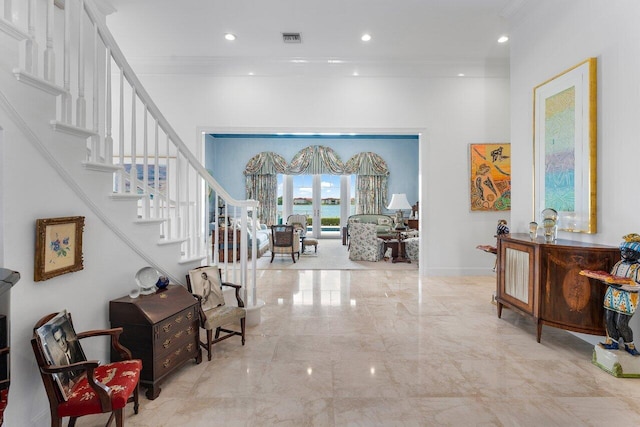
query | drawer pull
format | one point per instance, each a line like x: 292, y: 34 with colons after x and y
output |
x: 179, y: 334
x: 190, y: 315
x: 178, y: 351
x: 166, y: 363
x: 167, y: 327
x: 179, y: 319
x: 189, y: 347
x: 189, y: 330
x: 166, y: 343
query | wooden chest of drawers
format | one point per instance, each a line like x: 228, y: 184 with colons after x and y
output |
x: 161, y: 329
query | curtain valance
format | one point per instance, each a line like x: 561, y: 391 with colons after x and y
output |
x: 266, y: 163
x: 367, y: 163
x: 316, y: 160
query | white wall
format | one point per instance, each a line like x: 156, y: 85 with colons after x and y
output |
x: 451, y: 113
x: 550, y: 36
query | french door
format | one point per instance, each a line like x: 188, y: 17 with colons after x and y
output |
x: 318, y: 197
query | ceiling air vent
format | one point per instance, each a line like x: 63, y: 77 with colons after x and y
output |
x: 291, y: 38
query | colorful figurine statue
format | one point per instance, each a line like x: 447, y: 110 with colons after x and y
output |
x: 620, y: 304
x: 502, y: 227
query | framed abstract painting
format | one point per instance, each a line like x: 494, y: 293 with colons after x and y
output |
x: 490, y: 177
x: 565, y: 147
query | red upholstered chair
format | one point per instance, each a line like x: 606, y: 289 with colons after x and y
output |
x: 97, y: 388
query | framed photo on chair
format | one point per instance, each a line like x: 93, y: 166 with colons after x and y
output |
x: 206, y: 283
x: 62, y: 348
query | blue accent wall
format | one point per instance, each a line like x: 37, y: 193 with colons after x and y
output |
x: 226, y: 156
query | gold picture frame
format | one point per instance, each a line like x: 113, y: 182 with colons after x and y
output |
x: 564, y: 147
x: 58, y: 247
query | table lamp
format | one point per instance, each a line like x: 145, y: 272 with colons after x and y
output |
x: 398, y: 203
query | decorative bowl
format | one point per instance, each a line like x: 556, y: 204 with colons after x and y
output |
x: 146, y: 278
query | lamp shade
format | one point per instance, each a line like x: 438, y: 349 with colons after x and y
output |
x: 399, y: 201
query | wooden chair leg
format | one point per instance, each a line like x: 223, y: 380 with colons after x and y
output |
x: 209, y: 343
x: 136, y: 394
x: 293, y: 257
x: 119, y: 413
x: 272, y: 256
x: 242, y: 328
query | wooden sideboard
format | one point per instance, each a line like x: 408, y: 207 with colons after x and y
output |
x: 542, y: 280
x: 161, y: 329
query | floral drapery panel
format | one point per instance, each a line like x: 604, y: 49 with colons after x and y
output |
x: 264, y: 188
x: 261, y: 183
x: 316, y: 160
x: 371, y: 194
x: 371, y: 183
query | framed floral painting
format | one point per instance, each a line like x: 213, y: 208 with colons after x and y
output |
x: 58, y: 247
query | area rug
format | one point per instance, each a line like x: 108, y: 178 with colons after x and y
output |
x: 331, y: 255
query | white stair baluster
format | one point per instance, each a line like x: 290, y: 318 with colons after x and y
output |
x: 81, y: 105
x: 49, y: 53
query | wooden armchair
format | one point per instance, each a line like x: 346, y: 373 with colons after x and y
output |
x: 97, y: 388
x: 205, y: 283
x: 284, y: 240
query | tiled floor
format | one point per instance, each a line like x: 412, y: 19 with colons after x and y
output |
x: 384, y: 348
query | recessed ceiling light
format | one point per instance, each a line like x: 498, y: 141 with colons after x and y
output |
x: 460, y: 74
x: 365, y: 37
x: 299, y: 61
x: 251, y: 73
x: 355, y: 74
x: 335, y: 61
x: 230, y: 37
x: 503, y: 39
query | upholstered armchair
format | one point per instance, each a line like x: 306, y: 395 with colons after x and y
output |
x: 75, y: 386
x: 412, y: 248
x: 284, y: 240
x: 299, y: 223
x: 205, y: 283
x: 364, y: 245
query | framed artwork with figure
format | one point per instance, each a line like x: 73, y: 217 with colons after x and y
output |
x: 61, y: 347
x: 206, y: 283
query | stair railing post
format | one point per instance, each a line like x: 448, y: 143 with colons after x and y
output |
x: 95, y: 140
x: 81, y: 104
x: 30, y: 46
x: 49, y: 53
x: 7, y: 10
x: 65, y: 100
x: 108, y: 139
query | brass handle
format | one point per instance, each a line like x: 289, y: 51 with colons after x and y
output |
x: 189, y: 347
x: 179, y: 334
x: 167, y: 327
x: 189, y: 330
x: 166, y: 363
x: 190, y: 315
x: 167, y: 343
x: 179, y: 319
x: 178, y: 351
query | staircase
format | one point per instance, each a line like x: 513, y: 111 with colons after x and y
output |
x: 73, y: 95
